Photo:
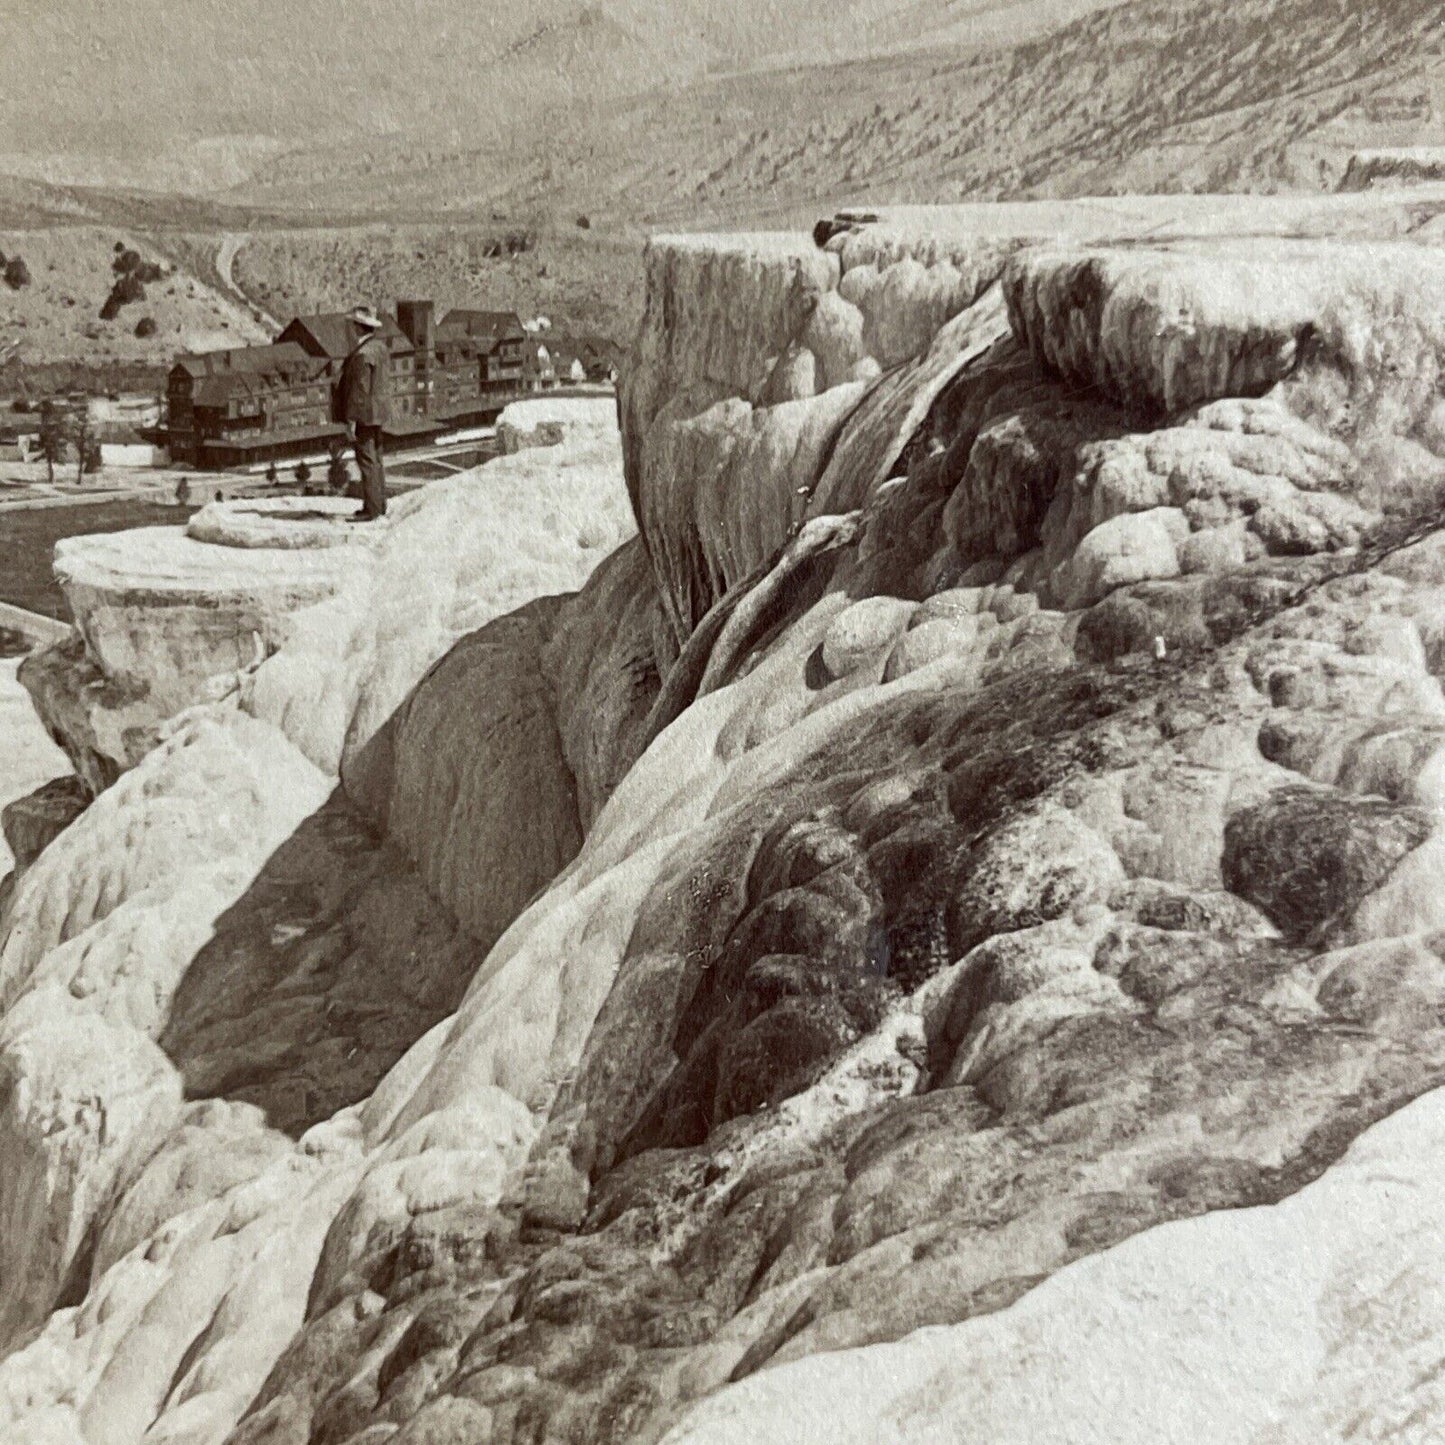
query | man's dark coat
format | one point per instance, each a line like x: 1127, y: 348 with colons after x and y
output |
x: 361, y: 392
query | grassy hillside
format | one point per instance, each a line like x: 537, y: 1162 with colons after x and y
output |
x: 56, y: 317
x: 586, y: 278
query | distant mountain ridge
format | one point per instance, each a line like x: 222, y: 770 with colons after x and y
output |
x: 200, y: 96
x: 656, y: 113
x: 1139, y: 96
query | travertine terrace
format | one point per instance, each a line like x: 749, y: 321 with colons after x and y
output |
x: 811, y: 923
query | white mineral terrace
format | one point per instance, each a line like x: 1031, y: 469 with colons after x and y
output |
x: 899, y: 898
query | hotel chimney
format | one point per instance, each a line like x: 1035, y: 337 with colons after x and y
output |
x: 416, y: 320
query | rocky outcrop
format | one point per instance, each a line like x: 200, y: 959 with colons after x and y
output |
x: 1292, y: 1271
x: 1393, y: 167
x: 160, y: 609
x: 980, y: 837
x: 31, y: 823
x: 166, y: 617
x: 246, y: 906
x: 31, y: 758
x: 544, y: 421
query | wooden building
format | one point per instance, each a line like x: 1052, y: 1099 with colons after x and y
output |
x: 248, y: 403
x: 260, y: 403
x: 490, y: 340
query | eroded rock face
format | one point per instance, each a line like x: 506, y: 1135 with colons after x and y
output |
x: 246, y: 917
x: 32, y: 823
x: 1390, y: 166
x: 164, y: 610
x: 1311, y: 1362
x: 166, y: 618
x: 32, y: 759
x: 986, y: 824
x: 83, y: 1101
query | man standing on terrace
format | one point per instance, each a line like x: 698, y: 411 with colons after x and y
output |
x: 361, y: 404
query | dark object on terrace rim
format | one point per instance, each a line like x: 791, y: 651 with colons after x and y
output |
x: 844, y: 221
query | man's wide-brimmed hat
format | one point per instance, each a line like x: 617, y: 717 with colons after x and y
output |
x: 365, y: 316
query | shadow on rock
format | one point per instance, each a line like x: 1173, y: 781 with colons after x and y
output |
x: 317, y: 980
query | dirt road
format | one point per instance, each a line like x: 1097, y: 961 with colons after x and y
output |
x: 226, y: 253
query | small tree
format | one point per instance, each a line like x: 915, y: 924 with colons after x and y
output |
x: 52, y: 435
x: 303, y: 474
x: 337, y: 479
x: 17, y: 273
x: 272, y: 475
x: 146, y: 326
x: 86, y: 443
x: 125, y: 291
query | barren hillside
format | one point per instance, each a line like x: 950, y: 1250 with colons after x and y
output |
x: 194, y: 96
x: 55, y: 316
x: 1146, y: 95
x: 1172, y: 94
x: 587, y: 278
x: 1271, y: 95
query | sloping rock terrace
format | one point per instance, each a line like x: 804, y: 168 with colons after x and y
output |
x: 984, y: 825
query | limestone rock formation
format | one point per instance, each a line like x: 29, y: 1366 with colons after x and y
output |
x: 960, y: 882
x: 1287, y: 1277
x: 164, y: 618
x: 31, y: 758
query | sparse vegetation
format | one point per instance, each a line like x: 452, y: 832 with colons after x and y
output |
x: 338, y: 479
x: 146, y: 326
x: 132, y: 263
x: 72, y: 265
x: 125, y: 292
x: 592, y: 281
x: 52, y: 435
x: 17, y: 273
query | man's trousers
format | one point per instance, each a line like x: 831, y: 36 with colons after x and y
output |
x: 373, y: 474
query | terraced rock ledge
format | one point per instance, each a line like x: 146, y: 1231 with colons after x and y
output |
x: 899, y: 899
